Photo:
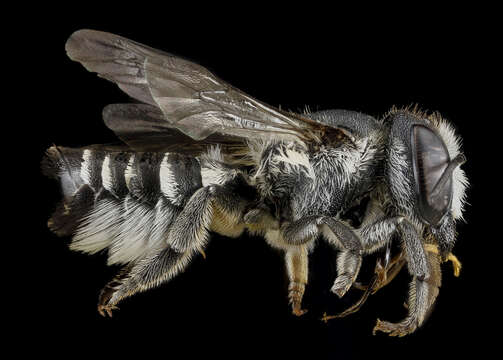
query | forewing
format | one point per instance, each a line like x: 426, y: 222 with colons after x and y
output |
x: 189, y: 96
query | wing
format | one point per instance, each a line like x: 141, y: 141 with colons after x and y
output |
x: 143, y: 128
x: 182, y: 96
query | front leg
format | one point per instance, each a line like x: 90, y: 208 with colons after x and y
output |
x: 297, y: 268
x: 425, y: 268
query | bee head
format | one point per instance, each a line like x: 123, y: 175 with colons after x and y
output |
x: 423, y: 166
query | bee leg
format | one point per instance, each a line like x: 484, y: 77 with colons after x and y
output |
x: 356, y: 306
x: 348, y: 267
x: 422, y: 295
x: 297, y: 268
x: 445, y: 236
x: 104, y: 308
x: 387, y: 273
x: 382, y: 276
x: 260, y: 218
x: 350, y: 258
x: 301, y: 231
x: 187, y: 235
x: 157, y: 267
x: 425, y: 268
x: 377, y: 229
x: 377, y: 234
x: 296, y: 236
x: 456, y: 264
x: 192, y: 224
x: 184, y: 238
x: 338, y: 234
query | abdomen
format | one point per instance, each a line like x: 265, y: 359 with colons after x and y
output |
x: 123, y: 202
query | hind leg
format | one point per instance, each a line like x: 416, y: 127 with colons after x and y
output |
x: 187, y: 235
x: 158, y: 267
x: 209, y: 208
x: 109, y: 289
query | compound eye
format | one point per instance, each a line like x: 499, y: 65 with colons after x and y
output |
x: 430, y: 161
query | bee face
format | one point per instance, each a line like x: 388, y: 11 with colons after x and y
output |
x: 423, y: 167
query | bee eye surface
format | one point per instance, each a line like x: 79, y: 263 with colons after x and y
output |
x: 430, y: 160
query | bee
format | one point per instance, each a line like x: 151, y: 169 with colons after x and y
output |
x: 199, y: 156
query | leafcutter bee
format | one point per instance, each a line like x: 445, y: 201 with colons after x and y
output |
x: 200, y: 156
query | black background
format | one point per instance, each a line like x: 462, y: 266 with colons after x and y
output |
x: 234, y: 302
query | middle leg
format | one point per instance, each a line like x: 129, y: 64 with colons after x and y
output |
x: 296, y: 258
x: 338, y: 234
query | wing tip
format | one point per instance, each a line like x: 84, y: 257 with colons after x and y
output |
x: 107, y: 111
x: 110, y: 113
x: 74, y: 42
x: 84, y: 41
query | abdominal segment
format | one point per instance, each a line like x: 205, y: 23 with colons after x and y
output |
x: 121, y: 202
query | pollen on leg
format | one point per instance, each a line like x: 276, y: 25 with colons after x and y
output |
x: 456, y: 264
